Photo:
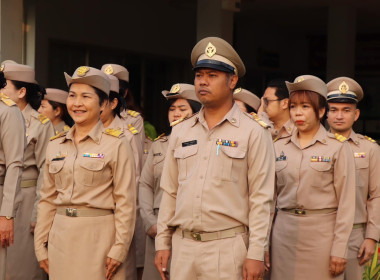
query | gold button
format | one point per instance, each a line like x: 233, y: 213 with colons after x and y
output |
x: 324, y: 141
x: 233, y: 120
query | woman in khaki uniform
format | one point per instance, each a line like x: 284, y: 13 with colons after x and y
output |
x: 315, y: 189
x: 22, y: 88
x: 87, y: 210
x: 54, y: 107
x: 183, y: 103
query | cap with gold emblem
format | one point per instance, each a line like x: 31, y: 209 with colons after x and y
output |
x: 308, y: 82
x: 90, y: 76
x: 344, y: 90
x: 56, y: 95
x: 247, y: 97
x: 114, y: 83
x: 185, y: 91
x: 116, y: 70
x: 215, y: 53
x: 18, y: 72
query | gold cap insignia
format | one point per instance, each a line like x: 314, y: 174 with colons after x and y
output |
x: 175, y: 88
x: 82, y: 71
x: 300, y: 79
x: 343, y: 87
x: 238, y: 90
x: 2, y: 67
x: 210, y: 50
x: 108, y: 70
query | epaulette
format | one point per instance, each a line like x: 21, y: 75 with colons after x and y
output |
x: 113, y: 132
x: 133, y: 113
x: 150, y: 138
x: 340, y: 138
x: 176, y: 122
x: 59, y: 135
x: 5, y: 98
x: 259, y: 121
x: 132, y: 129
x: 43, y: 119
x: 159, y: 137
x: 66, y: 128
x: 369, y: 139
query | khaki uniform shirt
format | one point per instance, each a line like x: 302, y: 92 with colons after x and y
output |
x: 12, y: 146
x: 39, y: 130
x: 147, y: 144
x: 106, y: 180
x: 367, y: 161
x: 61, y: 127
x: 212, y: 187
x: 134, y: 119
x: 149, y: 187
x: 318, y: 176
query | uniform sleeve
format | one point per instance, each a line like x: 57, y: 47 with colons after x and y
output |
x: 124, y: 194
x: 137, y: 155
x: 140, y: 127
x: 373, y: 202
x: 344, y: 183
x: 13, y: 142
x: 47, y: 132
x: 46, y: 210
x: 169, y: 184
x: 261, y: 176
x: 146, y: 194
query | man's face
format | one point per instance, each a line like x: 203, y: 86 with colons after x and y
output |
x: 341, y: 116
x: 214, y: 87
x: 272, y: 105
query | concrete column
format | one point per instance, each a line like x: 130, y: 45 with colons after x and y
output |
x: 30, y: 32
x: 341, y: 39
x: 215, y: 18
x: 11, y: 30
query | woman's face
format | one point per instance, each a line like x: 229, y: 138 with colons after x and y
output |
x: 179, y: 109
x: 108, y: 113
x: 12, y: 92
x: 303, y: 115
x: 48, y: 110
x: 83, y: 104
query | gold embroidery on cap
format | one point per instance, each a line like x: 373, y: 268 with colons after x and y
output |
x: 343, y: 88
x: 238, y: 90
x: 108, y: 70
x: 2, y: 67
x: 300, y: 79
x: 82, y: 71
x: 210, y: 50
x: 175, y: 88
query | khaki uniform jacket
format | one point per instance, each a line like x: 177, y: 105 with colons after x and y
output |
x: 39, y: 130
x: 134, y: 119
x: 211, y: 187
x: 367, y: 161
x: 61, y: 127
x: 150, y: 192
x: 98, y: 173
x: 12, y: 146
x: 285, y: 131
x: 147, y: 144
x: 319, y: 176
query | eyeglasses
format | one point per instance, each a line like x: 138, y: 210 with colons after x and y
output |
x: 266, y: 100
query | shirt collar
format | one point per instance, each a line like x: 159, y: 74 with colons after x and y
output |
x: 354, y: 137
x: 232, y: 116
x: 320, y: 136
x: 95, y: 134
x: 27, y: 113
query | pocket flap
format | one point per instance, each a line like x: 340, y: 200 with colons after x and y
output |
x: 184, y: 152
x: 361, y: 163
x: 281, y: 165
x: 321, y: 166
x: 56, y: 166
x: 158, y: 159
x: 92, y: 164
x: 234, y: 152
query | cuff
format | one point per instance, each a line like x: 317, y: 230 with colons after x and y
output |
x: 255, y: 253
x: 372, y: 233
x: 118, y: 252
x: 42, y: 254
x: 163, y: 243
x: 339, y: 250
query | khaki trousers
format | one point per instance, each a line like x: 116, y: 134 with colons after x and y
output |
x: 221, y: 259
x: 353, y: 270
x: 3, y: 262
x: 139, y: 237
x: 150, y: 270
x: 21, y: 260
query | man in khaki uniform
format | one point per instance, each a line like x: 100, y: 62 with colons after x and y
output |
x: 343, y: 95
x: 218, y: 179
x: 275, y: 106
x: 12, y: 145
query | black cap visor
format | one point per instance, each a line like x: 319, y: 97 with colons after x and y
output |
x: 214, y: 64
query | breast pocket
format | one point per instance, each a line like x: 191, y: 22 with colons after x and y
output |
x: 231, y: 163
x: 280, y: 174
x: 91, y: 172
x: 321, y: 174
x: 186, y: 160
x: 158, y: 164
x: 362, y: 165
x: 55, y: 169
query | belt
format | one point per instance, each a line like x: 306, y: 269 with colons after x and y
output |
x: 309, y: 212
x: 209, y: 236
x: 355, y: 226
x: 83, y: 212
x: 28, y: 183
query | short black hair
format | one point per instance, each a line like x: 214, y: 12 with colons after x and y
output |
x: 281, y: 89
x: 194, y: 105
x: 249, y: 108
x: 3, y: 81
x: 34, y: 93
x: 65, y: 115
x: 120, y: 101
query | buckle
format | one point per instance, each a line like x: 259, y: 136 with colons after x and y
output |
x: 300, y: 212
x: 196, y: 236
x: 71, y: 212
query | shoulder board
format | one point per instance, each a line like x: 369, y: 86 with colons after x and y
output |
x: 113, y: 132
x: 132, y: 129
x: 340, y: 138
x: 133, y: 113
x: 66, y: 128
x: 150, y: 138
x: 7, y: 101
x: 176, y: 122
x: 159, y: 137
x: 59, y: 135
x: 369, y: 139
x: 43, y: 119
x: 259, y: 121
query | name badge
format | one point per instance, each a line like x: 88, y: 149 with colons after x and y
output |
x: 189, y: 143
x: 157, y: 154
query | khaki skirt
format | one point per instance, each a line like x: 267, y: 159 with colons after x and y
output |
x: 78, y: 247
x: 301, y: 246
